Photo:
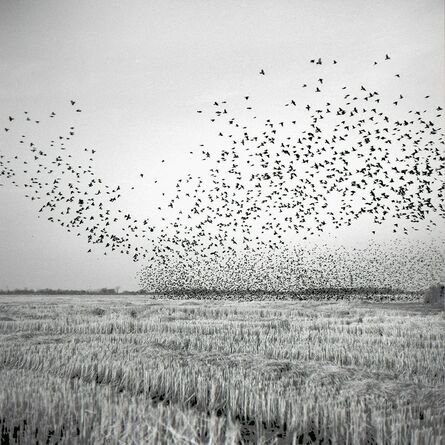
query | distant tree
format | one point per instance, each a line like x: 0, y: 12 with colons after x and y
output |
x: 435, y: 294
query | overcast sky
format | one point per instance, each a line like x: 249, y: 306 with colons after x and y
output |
x: 140, y: 69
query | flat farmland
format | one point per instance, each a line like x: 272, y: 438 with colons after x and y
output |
x: 134, y: 370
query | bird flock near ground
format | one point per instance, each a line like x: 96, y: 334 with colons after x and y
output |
x: 354, y: 153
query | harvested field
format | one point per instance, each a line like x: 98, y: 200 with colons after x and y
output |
x: 117, y: 370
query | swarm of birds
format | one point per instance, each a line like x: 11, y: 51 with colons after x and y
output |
x: 397, y: 264
x: 69, y: 193
x: 355, y: 154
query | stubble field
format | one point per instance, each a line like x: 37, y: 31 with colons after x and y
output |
x: 133, y: 370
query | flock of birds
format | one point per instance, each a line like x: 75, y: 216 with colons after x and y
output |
x: 352, y: 154
x: 70, y: 194
x: 397, y: 264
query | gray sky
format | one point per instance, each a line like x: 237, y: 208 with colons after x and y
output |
x: 141, y: 69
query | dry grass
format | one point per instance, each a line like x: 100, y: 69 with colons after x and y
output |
x: 144, y: 371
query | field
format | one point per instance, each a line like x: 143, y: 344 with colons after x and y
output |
x: 118, y: 370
